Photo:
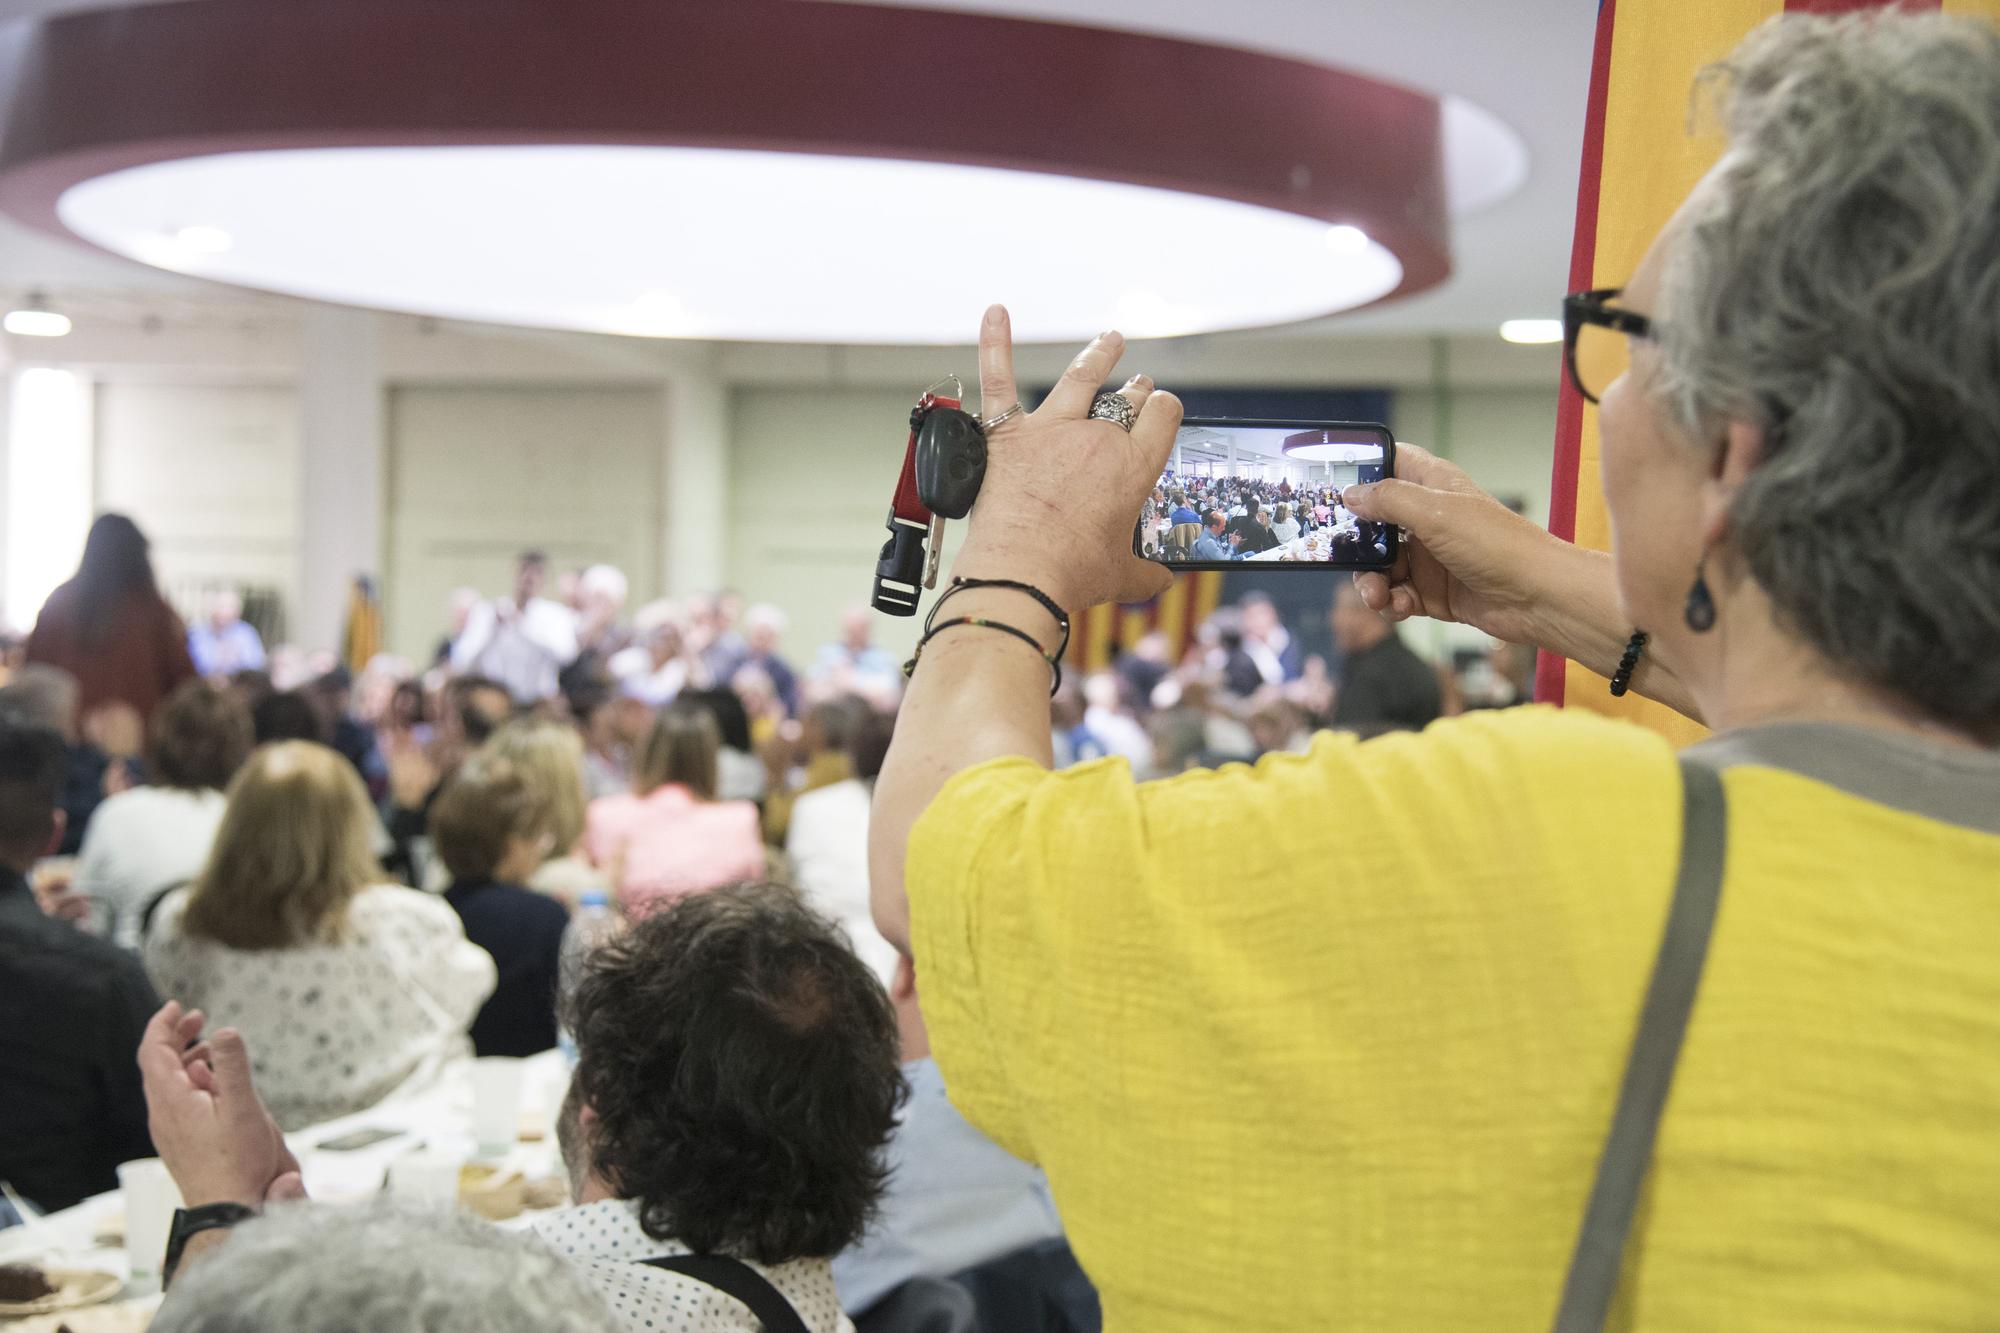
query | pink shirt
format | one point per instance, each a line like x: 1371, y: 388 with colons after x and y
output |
x: 668, y: 845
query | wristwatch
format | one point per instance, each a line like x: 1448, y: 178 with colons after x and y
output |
x: 191, y: 1222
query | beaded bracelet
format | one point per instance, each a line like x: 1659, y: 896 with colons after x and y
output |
x: 981, y: 622
x: 1621, y: 679
x: 959, y: 585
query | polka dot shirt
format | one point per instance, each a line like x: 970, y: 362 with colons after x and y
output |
x: 608, y: 1246
x: 335, y: 1027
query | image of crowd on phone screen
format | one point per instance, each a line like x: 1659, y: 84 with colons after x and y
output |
x: 1190, y: 518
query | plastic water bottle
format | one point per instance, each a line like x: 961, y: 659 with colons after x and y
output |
x: 591, y: 925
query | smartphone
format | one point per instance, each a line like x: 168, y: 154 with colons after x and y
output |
x: 1266, y: 495
x: 355, y: 1140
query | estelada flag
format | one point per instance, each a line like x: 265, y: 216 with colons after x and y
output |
x: 1640, y: 159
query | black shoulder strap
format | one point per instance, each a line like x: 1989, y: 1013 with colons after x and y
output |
x: 734, y: 1278
x: 1656, y: 1047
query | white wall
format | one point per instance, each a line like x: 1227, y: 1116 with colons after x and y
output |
x: 478, y: 473
x: 211, y: 473
x: 811, y: 473
x: 1503, y: 437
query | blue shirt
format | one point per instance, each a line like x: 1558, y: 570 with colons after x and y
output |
x: 1210, y: 547
x: 235, y: 647
x: 955, y: 1199
x: 1183, y: 515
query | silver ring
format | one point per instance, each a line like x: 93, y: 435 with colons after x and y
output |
x: 1115, y: 408
x: 1006, y: 416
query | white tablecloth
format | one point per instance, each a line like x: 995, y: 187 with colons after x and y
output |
x: 438, y: 1116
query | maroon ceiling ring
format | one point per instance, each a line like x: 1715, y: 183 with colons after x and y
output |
x: 89, y: 93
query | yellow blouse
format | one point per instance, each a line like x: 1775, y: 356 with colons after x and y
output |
x: 1332, y: 1042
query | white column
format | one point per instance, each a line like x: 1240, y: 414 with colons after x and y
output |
x: 695, y: 480
x: 1177, y: 455
x: 49, y: 484
x: 8, y: 614
x: 1232, y: 456
x: 341, y: 482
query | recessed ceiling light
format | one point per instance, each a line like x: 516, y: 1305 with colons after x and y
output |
x: 710, y: 243
x: 204, y: 240
x: 1532, y: 330
x: 36, y: 320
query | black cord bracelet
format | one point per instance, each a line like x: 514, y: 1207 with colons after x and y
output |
x: 1048, y: 603
x: 981, y: 622
x: 1621, y: 679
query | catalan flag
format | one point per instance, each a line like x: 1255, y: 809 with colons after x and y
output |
x: 1106, y: 631
x: 1639, y: 162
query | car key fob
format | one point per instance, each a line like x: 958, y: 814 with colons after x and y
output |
x: 951, y: 461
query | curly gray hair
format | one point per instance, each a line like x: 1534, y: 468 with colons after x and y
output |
x: 384, y: 1267
x: 1842, y: 288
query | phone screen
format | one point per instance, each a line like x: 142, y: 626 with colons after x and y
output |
x: 1266, y: 495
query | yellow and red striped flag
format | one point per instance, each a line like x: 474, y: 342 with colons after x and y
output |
x: 362, y: 638
x: 1107, y: 631
x: 1639, y: 162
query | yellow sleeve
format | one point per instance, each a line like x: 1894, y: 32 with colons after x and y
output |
x: 1092, y: 951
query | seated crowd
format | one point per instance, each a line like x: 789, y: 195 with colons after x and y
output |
x: 366, y: 881
x: 1233, y: 518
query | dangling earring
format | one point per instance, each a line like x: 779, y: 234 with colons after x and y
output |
x: 1700, y: 612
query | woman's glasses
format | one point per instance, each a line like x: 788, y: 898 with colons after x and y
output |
x: 1597, y: 339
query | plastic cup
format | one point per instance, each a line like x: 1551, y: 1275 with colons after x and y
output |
x: 426, y: 1176
x: 150, y: 1200
x: 496, y: 1103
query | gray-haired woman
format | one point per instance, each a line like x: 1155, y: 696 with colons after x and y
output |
x: 1380, y: 1098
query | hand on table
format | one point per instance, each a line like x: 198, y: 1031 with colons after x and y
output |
x: 1466, y: 556
x: 1063, y: 491
x: 211, y: 1129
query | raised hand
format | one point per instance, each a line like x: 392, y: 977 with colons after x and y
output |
x: 1062, y: 491
x: 210, y: 1127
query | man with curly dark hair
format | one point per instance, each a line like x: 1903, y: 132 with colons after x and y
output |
x: 737, y: 1080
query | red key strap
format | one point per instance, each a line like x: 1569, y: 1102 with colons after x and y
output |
x: 907, y: 505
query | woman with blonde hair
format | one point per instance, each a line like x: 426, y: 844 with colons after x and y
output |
x: 1283, y: 526
x: 548, y: 756
x: 346, y: 987
x: 671, y: 837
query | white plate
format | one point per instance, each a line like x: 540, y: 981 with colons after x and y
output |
x: 73, y: 1287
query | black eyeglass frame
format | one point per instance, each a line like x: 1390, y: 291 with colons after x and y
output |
x: 1594, y: 307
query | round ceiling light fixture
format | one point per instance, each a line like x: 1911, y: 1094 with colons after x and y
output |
x: 690, y: 170
x: 1332, y: 446
x: 719, y: 243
